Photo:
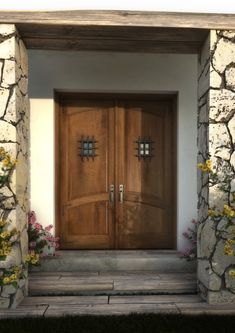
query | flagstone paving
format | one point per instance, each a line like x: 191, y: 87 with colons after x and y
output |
x: 119, y: 295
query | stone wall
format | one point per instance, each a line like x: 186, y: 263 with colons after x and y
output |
x: 14, y: 134
x: 216, y: 141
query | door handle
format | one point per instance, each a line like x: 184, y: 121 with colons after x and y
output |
x: 111, y: 193
x: 121, y: 193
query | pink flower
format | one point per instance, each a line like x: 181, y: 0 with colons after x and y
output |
x: 49, y: 227
x: 32, y: 218
x: 38, y: 226
x: 32, y: 244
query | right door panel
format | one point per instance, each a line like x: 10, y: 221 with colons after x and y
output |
x: 145, y: 167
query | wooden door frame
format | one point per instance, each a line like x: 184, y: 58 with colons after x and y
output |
x: 64, y: 95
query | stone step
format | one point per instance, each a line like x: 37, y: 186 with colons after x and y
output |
x: 110, y: 283
x: 149, y: 260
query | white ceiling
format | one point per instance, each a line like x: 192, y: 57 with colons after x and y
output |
x: 209, y: 6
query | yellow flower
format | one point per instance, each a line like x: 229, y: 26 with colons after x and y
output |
x: 6, y: 280
x: 231, y: 273
x: 16, y: 269
x: 205, y: 167
x: 228, y: 211
x: 27, y: 259
x: 13, y: 277
x: 228, y: 251
x: 212, y: 213
x: 5, y: 234
x: 34, y: 261
x: 230, y: 241
x: 2, y: 223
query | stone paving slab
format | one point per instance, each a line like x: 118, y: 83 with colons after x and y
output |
x: 69, y: 287
x: 115, y: 305
x: 110, y: 309
x: 24, y: 311
x: 65, y: 300
x: 155, y: 285
x: 111, y: 283
x: 204, y: 308
x: 36, y: 274
x: 140, y: 299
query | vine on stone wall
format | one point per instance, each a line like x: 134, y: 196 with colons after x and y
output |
x: 224, y: 219
x: 8, y: 235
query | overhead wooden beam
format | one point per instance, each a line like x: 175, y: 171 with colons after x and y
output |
x: 121, y: 18
x: 111, y: 45
x: 121, y: 33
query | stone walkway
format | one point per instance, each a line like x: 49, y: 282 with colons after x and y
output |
x: 114, y: 305
x: 110, y: 283
x: 112, y: 293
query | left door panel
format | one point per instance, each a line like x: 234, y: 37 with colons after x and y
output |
x: 86, y: 139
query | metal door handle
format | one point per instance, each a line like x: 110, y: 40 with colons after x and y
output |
x: 121, y: 193
x: 111, y: 193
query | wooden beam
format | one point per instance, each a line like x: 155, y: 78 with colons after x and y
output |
x: 121, y: 18
x: 121, y: 33
x: 111, y: 45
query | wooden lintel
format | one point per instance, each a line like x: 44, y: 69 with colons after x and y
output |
x: 121, y: 18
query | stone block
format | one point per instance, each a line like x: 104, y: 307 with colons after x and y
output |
x: 18, y: 298
x: 222, y: 104
x: 9, y: 77
x: 220, y: 262
x: 219, y: 141
x: 229, y: 78
x: 224, y: 55
x: 8, y: 132
x: 4, y: 302
x: 7, y: 48
x: 8, y: 290
x: 231, y: 125
x: 227, y: 33
x: 23, y: 58
x: 207, y: 239
x: 220, y: 297
x: 4, y: 95
x: 24, y: 243
x: 215, y: 79
x: 7, y: 29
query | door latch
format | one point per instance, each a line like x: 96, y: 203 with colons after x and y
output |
x: 121, y: 193
x: 111, y: 193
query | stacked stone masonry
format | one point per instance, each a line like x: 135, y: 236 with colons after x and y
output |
x: 216, y: 141
x: 14, y: 134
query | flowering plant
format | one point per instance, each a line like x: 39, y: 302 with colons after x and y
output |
x: 7, y: 164
x: 191, y: 235
x: 11, y: 276
x: 41, y: 242
x: 7, y: 239
x: 224, y: 219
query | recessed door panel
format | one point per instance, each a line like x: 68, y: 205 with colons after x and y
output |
x: 145, y: 168
x: 87, y: 169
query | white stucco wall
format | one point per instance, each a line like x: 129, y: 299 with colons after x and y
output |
x: 111, y: 72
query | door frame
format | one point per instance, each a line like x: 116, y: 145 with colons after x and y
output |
x: 65, y: 95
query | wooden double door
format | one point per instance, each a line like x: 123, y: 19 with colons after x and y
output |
x: 116, y: 178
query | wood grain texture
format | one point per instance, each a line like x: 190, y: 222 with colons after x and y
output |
x: 118, y: 31
x: 121, y: 18
x: 146, y: 218
x: 84, y: 185
x: 113, y: 45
